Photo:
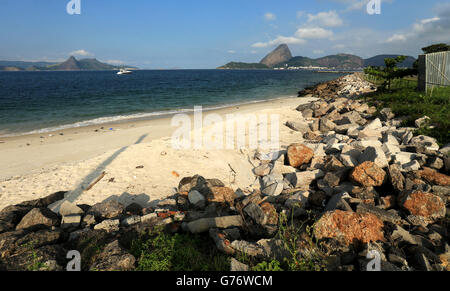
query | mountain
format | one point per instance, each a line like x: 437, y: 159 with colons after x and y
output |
x: 71, y: 64
x: 340, y: 61
x: 25, y: 65
x: 243, y: 66
x: 378, y: 61
x: 279, y: 55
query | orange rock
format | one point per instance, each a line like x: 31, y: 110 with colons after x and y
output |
x: 175, y: 174
x: 270, y: 212
x: 221, y: 195
x: 426, y: 205
x: 368, y: 174
x: 349, y: 227
x: 434, y: 177
x: 299, y: 154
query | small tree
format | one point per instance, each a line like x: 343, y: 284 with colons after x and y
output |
x: 390, y: 71
x: 435, y: 48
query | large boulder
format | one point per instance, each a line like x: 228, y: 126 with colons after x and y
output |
x: 433, y: 177
x: 348, y: 227
x: 368, y: 174
x: 107, y: 210
x: 428, y: 207
x: 299, y: 154
x: 39, y: 217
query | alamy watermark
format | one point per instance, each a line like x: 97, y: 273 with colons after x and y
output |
x: 374, y: 7
x: 235, y: 131
x: 74, y: 7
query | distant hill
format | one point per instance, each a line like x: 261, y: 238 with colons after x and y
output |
x: 340, y: 61
x: 378, y: 61
x: 243, y: 66
x: 279, y: 55
x: 25, y: 65
x: 71, y: 64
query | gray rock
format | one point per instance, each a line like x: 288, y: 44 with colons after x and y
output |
x: 302, y: 180
x: 236, y: 266
x: 274, y: 249
x: 107, y: 209
x: 435, y: 163
x: 71, y: 221
x: 204, y: 224
x: 273, y: 189
x: 421, y: 122
x: 298, y: 126
x: 396, y: 178
x: 197, y: 199
x: 132, y: 220
x: 337, y: 201
x: 326, y: 125
x: 403, y: 236
x: 39, y: 216
x: 387, y: 114
x: 376, y: 155
x: 262, y: 170
x: 256, y: 213
x: 68, y: 208
x: 250, y: 249
x: 412, y: 166
x: 109, y: 225
x: 298, y: 200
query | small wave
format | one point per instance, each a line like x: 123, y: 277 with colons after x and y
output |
x: 137, y: 116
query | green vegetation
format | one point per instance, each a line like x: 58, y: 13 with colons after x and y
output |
x: 243, y: 66
x: 435, y: 48
x: 390, y: 72
x: 405, y: 100
x: 161, y: 251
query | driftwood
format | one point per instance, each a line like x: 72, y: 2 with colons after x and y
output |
x: 96, y: 181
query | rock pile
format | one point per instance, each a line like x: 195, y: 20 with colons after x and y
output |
x: 349, y: 85
x: 362, y: 182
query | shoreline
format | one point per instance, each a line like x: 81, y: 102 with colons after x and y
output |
x: 28, y: 154
x: 119, y: 119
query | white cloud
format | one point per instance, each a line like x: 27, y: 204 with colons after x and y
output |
x: 231, y: 51
x: 318, y: 52
x: 115, y: 62
x: 327, y: 19
x: 313, y: 33
x: 300, y: 14
x: 397, y: 38
x: 81, y: 53
x: 270, y: 16
x: 279, y: 40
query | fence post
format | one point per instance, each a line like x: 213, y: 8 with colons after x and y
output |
x: 422, y: 76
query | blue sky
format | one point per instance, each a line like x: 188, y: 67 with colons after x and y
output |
x: 209, y: 33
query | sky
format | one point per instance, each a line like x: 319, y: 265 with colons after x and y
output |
x: 202, y: 34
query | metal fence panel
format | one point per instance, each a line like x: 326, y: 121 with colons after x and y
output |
x: 434, y: 70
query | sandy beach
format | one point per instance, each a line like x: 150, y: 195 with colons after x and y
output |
x: 137, y: 159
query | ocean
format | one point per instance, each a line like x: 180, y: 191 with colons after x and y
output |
x: 38, y: 102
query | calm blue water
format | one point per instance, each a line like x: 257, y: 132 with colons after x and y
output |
x: 43, y: 101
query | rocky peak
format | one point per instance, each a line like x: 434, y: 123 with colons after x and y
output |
x: 281, y: 54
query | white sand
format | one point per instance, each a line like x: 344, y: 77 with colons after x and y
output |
x: 72, y: 161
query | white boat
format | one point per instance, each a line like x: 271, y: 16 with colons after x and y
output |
x: 124, y: 72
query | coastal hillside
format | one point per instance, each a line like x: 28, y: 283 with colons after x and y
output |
x: 282, y: 57
x: 378, y: 61
x: 240, y: 66
x: 71, y: 64
x: 340, y: 61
